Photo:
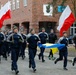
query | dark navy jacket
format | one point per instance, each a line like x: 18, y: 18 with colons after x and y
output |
x: 1, y: 38
x: 63, y: 40
x: 52, y: 38
x: 15, y: 40
x: 43, y: 37
x: 32, y: 40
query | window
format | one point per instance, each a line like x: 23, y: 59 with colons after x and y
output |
x: 13, y: 4
x: 25, y: 2
x: 17, y: 4
x: 73, y: 29
x: 10, y: 3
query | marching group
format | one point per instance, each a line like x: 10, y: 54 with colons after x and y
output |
x: 15, y: 42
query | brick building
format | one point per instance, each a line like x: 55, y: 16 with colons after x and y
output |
x: 29, y: 14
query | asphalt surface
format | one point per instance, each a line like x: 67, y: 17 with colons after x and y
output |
x: 47, y: 68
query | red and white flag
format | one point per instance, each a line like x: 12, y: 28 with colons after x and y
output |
x: 5, y: 13
x: 66, y: 20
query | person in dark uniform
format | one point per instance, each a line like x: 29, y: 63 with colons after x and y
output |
x: 74, y: 43
x: 64, y: 51
x: 52, y: 39
x: 32, y: 40
x: 1, y: 43
x: 43, y: 38
x: 8, y: 43
x: 15, y: 39
x: 23, y: 46
x: 4, y: 47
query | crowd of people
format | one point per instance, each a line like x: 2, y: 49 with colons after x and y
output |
x: 14, y: 43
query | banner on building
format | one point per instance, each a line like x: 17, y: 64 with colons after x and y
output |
x: 47, y: 10
x: 61, y: 8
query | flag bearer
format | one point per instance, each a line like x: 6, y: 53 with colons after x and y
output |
x: 32, y: 40
x: 64, y: 51
x: 15, y: 40
x: 43, y: 38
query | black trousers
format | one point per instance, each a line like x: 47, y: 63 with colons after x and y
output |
x: 74, y: 59
x: 32, y: 54
x: 51, y: 53
x: 63, y: 54
x: 14, y: 58
x: 4, y: 50
x: 41, y: 54
x: 23, y: 49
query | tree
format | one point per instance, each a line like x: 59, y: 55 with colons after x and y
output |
x: 62, y: 3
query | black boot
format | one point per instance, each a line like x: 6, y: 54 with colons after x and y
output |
x: 65, y: 68
x: 39, y: 57
x: 30, y: 64
x: 16, y: 72
x: 55, y: 62
x: 43, y: 60
x: 73, y: 63
x: 34, y: 70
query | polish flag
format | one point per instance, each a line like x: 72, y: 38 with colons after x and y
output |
x: 5, y: 13
x: 66, y: 20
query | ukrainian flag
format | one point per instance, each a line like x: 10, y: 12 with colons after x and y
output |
x: 53, y: 47
x: 54, y: 50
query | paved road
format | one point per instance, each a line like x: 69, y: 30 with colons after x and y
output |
x: 47, y: 68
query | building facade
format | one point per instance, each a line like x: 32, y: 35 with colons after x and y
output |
x: 29, y: 14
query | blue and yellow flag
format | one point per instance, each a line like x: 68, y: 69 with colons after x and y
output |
x: 54, y: 50
x: 53, y: 47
